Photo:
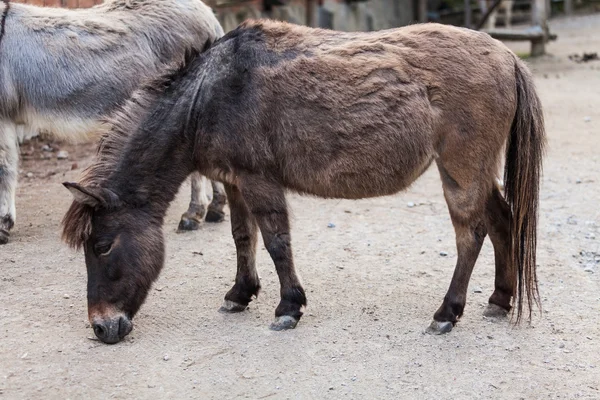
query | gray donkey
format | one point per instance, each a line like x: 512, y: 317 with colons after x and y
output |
x: 63, y: 71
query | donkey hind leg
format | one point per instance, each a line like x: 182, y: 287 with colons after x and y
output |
x: 215, y: 208
x: 268, y: 205
x: 497, y: 220
x: 9, y: 161
x: 467, y: 206
x: 191, y: 219
x: 245, y: 233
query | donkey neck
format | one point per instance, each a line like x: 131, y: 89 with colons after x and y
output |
x: 158, y: 152
x: 153, y: 165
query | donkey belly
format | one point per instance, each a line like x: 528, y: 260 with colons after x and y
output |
x: 67, y: 127
x: 356, y: 175
x: 374, y: 183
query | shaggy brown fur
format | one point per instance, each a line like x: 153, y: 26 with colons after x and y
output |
x: 273, y: 106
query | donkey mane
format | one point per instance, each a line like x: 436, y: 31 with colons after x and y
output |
x: 77, y: 222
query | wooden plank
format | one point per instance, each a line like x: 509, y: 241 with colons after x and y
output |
x: 533, y: 33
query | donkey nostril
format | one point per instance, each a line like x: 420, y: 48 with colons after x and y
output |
x: 100, y: 331
x: 125, y: 326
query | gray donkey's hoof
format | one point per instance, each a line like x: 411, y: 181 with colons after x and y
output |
x: 215, y: 216
x: 188, y: 224
x: 4, y: 235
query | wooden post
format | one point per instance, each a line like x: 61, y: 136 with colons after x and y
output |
x: 310, y: 13
x: 468, y: 14
x: 568, y: 7
x: 422, y: 11
x: 539, y: 17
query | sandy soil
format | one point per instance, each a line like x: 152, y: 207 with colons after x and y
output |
x: 373, y: 281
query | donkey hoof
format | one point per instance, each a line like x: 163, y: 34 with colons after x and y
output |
x: 232, y: 307
x: 283, y: 323
x: 214, y: 216
x: 187, y: 224
x: 439, y: 328
x: 495, y: 311
x: 4, y: 235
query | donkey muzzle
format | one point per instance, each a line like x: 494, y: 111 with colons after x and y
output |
x: 111, y: 331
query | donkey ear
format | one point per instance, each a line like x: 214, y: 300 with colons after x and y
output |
x: 93, y: 196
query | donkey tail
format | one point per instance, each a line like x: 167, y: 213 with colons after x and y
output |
x: 523, y: 167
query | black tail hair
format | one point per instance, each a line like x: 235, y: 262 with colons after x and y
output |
x: 523, y: 169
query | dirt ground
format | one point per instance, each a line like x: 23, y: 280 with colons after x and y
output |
x: 373, y: 282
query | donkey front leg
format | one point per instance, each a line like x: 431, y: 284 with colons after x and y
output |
x: 215, y: 208
x: 267, y: 203
x: 191, y: 219
x: 245, y: 234
x: 9, y: 160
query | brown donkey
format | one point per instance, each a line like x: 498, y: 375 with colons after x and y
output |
x: 273, y: 106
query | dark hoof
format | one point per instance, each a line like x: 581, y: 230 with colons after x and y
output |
x: 232, y: 307
x: 283, y: 323
x: 4, y: 235
x: 495, y: 311
x: 187, y: 224
x: 214, y: 216
x: 439, y: 328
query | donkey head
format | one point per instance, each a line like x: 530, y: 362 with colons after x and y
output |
x: 124, y: 253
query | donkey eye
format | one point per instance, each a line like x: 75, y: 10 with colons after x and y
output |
x: 103, y: 249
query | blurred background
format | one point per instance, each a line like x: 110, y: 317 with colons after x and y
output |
x: 361, y: 15
x: 497, y: 17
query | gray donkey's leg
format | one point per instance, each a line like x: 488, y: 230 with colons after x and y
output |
x: 191, y: 219
x: 215, y: 208
x: 9, y: 160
